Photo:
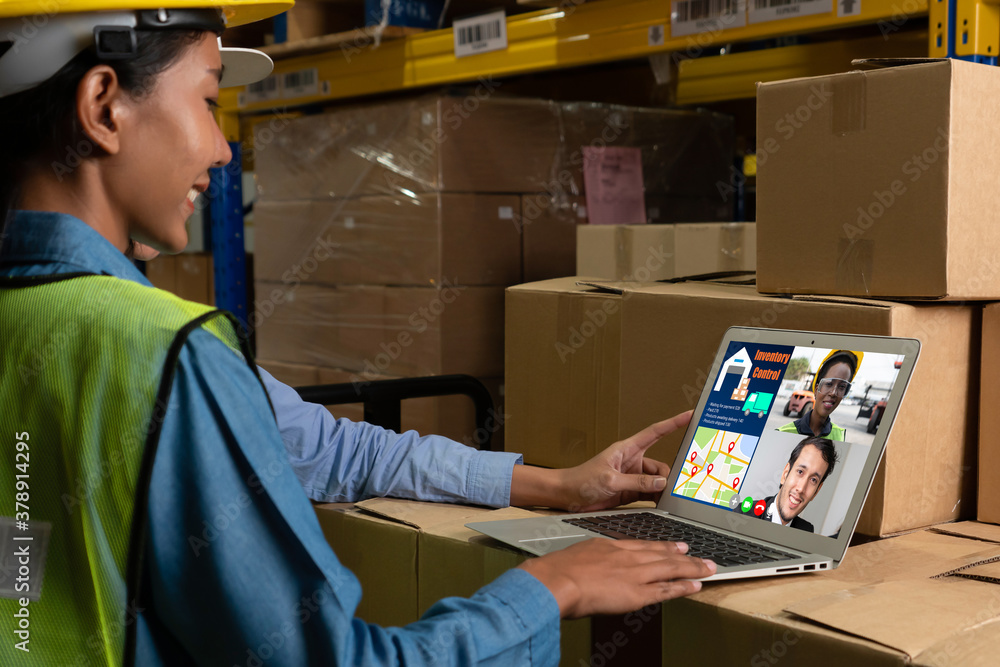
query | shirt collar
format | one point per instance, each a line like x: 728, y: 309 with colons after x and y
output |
x: 803, y: 427
x: 41, y: 242
x: 775, y: 515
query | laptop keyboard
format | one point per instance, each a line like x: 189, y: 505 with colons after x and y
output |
x: 723, y: 549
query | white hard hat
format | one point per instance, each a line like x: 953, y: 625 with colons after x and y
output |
x: 243, y: 66
x: 39, y: 46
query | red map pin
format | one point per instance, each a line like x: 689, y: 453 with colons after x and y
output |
x: 694, y: 470
x: 694, y: 455
x: 736, y: 482
x: 710, y: 466
x: 731, y: 445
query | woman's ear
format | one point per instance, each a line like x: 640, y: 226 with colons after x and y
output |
x: 100, y: 108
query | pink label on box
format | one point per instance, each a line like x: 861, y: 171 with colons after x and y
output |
x: 612, y: 177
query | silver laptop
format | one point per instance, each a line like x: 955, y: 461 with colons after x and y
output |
x: 753, y: 487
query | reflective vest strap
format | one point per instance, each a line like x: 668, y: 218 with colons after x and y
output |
x: 137, y: 540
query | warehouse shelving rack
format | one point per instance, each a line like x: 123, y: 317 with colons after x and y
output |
x: 572, y: 35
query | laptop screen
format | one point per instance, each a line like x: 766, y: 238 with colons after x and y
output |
x: 786, y: 431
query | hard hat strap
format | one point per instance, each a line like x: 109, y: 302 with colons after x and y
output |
x: 116, y: 42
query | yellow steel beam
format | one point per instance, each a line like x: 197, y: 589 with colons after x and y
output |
x: 735, y: 76
x: 570, y: 36
x: 937, y: 14
x: 977, y: 28
x: 229, y: 121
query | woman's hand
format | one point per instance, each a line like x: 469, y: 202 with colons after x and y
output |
x: 602, y: 576
x: 619, y: 475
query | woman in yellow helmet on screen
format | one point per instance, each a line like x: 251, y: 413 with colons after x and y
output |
x: 150, y: 511
x: 831, y: 383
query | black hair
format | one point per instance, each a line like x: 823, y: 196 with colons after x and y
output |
x: 839, y: 357
x: 826, y: 450
x: 41, y: 125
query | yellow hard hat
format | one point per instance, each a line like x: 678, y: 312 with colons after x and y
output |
x: 39, y: 44
x: 848, y: 355
x: 235, y: 12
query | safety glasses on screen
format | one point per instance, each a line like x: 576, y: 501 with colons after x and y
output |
x: 833, y: 385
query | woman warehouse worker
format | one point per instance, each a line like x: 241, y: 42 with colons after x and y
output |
x: 832, y: 382
x: 130, y: 417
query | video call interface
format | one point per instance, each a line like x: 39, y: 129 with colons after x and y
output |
x: 786, y: 431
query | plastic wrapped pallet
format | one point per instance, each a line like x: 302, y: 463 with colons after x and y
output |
x: 434, y: 143
x: 366, y: 214
x: 481, y: 142
x: 684, y: 154
x: 400, y: 331
x: 422, y: 239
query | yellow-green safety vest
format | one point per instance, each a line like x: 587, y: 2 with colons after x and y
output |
x: 837, y: 433
x: 86, y: 368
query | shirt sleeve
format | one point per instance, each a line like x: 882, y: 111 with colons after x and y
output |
x: 237, y: 571
x: 338, y: 460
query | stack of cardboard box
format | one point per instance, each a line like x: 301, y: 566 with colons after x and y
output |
x: 876, y: 214
x: 915, y: 216
x: 872, y: 219
x: 385, y: 234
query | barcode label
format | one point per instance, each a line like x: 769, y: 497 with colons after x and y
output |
x: 262, y: 91
x: 480, y: 33
x: 761, y: 11
x: 300, y: 83
x: 689, y: 17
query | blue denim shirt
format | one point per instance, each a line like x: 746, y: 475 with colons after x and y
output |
x: 236, y: 566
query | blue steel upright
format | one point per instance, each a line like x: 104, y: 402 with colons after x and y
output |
x: 225, y: 208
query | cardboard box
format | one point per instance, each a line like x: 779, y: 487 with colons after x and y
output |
x: 294, y: 375
x: 451, y: 416
x: 562, y: 371
x: 989, y: 418
x: 381, y: 240
x: 858, y: 195
x: 434, y: 143
x: 402, y: 331
x: 661, y: 252
x: 382, y: 554
x: 408, y: 555
x: 195, y: 277
x: 162, y: 272
x: 317, y: 326
x: 314, y: 18
x: 548, y: 230
x: 909, y: 600
x: 187, y: 275
x: 663, y: 342
x: 549, y: 227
